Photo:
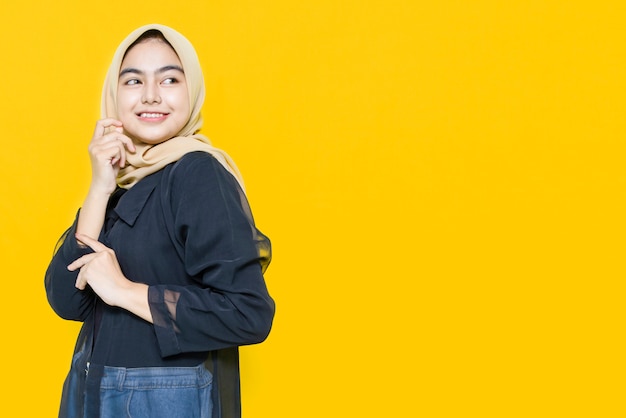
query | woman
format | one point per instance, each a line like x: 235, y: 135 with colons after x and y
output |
x: 163, y: 264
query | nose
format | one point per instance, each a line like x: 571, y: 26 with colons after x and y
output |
x: 150, y: 94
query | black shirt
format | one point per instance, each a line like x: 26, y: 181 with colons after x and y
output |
x: 188, y: 233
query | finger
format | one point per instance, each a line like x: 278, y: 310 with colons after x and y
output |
x: 115, y: 153
x: 92, y: 243
x: 115, y: 136
x: 110, y: 152
x: 125, y: 145
x: 103, y: 124
x: 128, y: 143
x: 75, y: 265
x: 80, y: 283
x: 122, y: 156
x: 80, y: 262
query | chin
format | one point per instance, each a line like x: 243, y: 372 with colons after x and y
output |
x: 152, y: 141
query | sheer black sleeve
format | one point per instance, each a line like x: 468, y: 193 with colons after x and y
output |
x: 64, y: 298
x: 215, y: 234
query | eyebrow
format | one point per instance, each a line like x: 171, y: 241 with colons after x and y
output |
x: 159, y: 71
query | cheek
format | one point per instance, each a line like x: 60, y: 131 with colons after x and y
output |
x: 123, y: 105
x: 182, y: 101
x: 183, y: 107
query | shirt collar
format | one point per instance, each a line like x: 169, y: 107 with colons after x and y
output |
x: 133, y: 201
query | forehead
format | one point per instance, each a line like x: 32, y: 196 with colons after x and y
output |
x: 152, y: 53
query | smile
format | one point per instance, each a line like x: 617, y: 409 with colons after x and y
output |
x: 152, y: 115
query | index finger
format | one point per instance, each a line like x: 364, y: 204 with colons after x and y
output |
x: 92, y: 243
x: 128, y: 143
x: 103, y: 124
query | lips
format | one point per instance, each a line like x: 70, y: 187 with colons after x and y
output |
x: 152, y: 115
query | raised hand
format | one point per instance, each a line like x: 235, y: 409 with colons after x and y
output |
x: 107, y: 151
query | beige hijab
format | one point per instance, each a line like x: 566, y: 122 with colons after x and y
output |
x: 151, y: 158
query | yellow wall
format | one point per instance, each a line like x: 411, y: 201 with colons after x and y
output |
x: 442, y: 182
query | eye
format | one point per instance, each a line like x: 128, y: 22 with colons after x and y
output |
x: 131, y: 82
x: 170, y: 80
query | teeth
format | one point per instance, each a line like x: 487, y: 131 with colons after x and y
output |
x: 151, y: 115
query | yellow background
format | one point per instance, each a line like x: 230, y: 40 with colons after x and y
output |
x: 443, y: 183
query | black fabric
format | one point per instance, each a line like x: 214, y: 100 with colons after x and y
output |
x: 188, y: 233
x: 74, y: 387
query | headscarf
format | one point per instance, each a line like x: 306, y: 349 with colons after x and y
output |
x: 148, y: 158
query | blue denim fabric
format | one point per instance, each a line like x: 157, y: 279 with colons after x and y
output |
x: 156, y: 392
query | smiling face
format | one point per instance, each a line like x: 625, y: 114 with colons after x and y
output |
x: 152, y: 97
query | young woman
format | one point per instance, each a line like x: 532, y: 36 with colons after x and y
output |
x: 163, y: 264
